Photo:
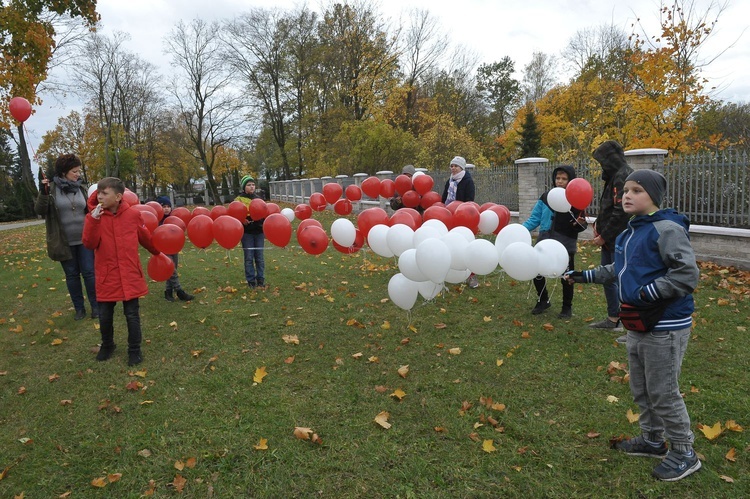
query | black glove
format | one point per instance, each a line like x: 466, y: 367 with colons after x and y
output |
x: 575, y: 276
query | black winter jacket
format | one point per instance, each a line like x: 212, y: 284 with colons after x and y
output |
x: 615, y: 169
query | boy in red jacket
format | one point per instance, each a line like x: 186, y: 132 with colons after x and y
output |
x: 113, y: 230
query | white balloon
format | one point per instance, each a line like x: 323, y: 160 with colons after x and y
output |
x: 426, y: 232
x: 402, y: 291
x: 429, y: 289
x: 437, y: 224
x: 481, y: 257
x: 400, y: 238
x: 416, y: 174
x: 342, y: 231
x: 553, y: 258
x: 376, y: 238
x: 512, y: 233
x: 457, y: 276
x: 557, y: 201
x: 407, y: 264
x: 92, y: 188
x: 520, y: 261
x: 457, y: 245
x: 465, y: 232
x: 488, y: 222
x: 434, y: 259
x: 288, y: 213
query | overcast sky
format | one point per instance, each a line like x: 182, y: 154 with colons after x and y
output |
x: 491, y: 28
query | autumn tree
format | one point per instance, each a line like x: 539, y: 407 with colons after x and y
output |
x: 539, y: 76
x: 530, y: 138
x: 500, y: 90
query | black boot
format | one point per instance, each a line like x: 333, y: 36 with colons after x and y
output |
x: 134, y: 357
x: 168, y: 295
x: 182, y: 295
x: 540, y: 307
x: 566, y: 312
x: 105, y: 352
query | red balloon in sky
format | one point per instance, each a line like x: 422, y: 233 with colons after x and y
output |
x: 353, y: 193
x: 371, y: 187
x: 19, y: 108
x: 579, y: 193
x: 332, y: 192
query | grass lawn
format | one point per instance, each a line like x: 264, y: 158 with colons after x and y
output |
x: 543, y: 395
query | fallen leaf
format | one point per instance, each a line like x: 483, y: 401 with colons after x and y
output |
x: 191, y: 462
x: 612, y: 399
x: 731, y: 425
x: 440, y: 429
x: 179, y: 483
x: 632, y: 417
x: 488, y: 446
x: 66, y: 402
x: 525, y: 335
x: 99, y: 482
x: 499, y: 362
x: 727, y: 479
x: 173, y: 324
x: 260, y: 373
x: 548, y: 327
x: 179, y: 465
x: 302, y: 432
x: 403, y: 371
x: 373, y: 359
x: 357, y: 355
x: 498, y: 407
x: 474, y: 437
x: 592, y: 434
x: 261, y: 445
x: 487, y: 318
x: 57, y: 341
x: 151, y: 488
x: 381, y: 389
x: 398, y: 393
x: 382, y: 419
x: 711, y: 432
x: 289, y: 360
x: 290, y: 338
x: 454, y: 351
x: 385, y: 325
x: 730, y: 456
x: 144, y: 453
x: 517, y: 468
x: 54, y: 377
x: 440, y: 325
x: 114, y: 477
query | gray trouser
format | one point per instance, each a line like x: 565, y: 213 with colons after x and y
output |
x: 655, y: 361
x: 173, y: 283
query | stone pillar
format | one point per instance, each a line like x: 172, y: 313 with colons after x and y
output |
x: 652, y: 159
x: 528, y: 192
x: 297, y: 194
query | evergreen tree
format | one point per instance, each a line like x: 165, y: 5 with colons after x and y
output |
x: 530, y: 140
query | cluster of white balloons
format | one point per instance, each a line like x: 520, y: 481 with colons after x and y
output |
x: 433, y: 255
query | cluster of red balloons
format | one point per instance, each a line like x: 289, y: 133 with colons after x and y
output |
x: 415, y: 191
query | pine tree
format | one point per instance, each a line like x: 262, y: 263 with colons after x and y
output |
x: 530, y: 136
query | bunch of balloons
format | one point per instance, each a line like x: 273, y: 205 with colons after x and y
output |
x: 578, y: 194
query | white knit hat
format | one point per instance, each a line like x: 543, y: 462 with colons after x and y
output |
x: 459, y: 162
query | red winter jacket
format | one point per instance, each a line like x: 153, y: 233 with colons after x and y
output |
x: 114, y: 239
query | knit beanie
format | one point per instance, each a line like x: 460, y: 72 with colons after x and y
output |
x: 408, y: 170
x: 652, y: 182
x: 244, y: 181
x: 459, y: 162
x: 164, y: 201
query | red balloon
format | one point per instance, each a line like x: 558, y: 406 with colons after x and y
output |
x: 354, y: 193
x: 277, y: 229
x: 19, y: 108
x: 474, y: 204
x: 183, y: 214
x: 173, y: 220
x: 429, y: 199
x: 343, y: 207
x: 439, y: 213
x: 503, y: 215
x: 273, y: 208
x: 423, y: 184
x: 302, y: 211
x: 402, y: 217
x: 467, y: 215
x: 486, y: 206
x: 160, y: 267
x: 371, y: 187
x: 158, y: 208
x: 201, y: 210
x: 359, y: 241
x: 150, y: 220
x: 227, y: 231
x: 168, y: 238
x: 313, y: 239
x: 411, y: 199
x: 318, y: 201
x: 131, y: 197
x: 309, y: 222
x: 200, y: 230
x: 258, y: 209
x: 369, y: 218
x: 579, y: 193
x: 403, y: 184
x: 332, y: 192
x: 238, y: 210
x: 144, y: 208
x: 219, y: 210
x: 453, y: 205
x: 387, y: 188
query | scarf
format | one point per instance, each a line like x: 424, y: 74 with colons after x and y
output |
x: 66, y: 185
x: 453, y: 186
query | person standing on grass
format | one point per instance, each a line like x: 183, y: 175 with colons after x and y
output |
x: 113, y: 230
x: 253, y: 240
x: 562, y: 227
x: 611, y: 220
x: 173, y: 283
x: 655, y: 266
x: 460, y: 187
x: 62, y: 203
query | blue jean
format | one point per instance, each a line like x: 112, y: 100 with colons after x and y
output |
x: 252, y: 248
x: 655, y: 361
x: 610, y: 289
x: 131, y: 309
x: 81, y: 265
